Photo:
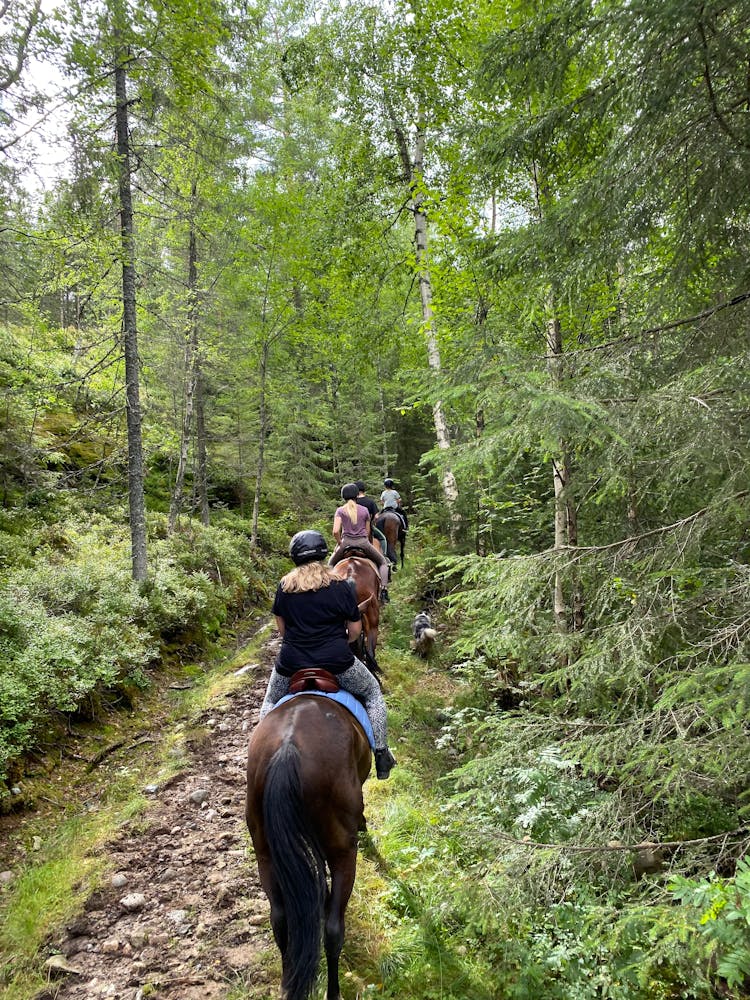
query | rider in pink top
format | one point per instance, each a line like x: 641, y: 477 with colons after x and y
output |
x: 351, y: 528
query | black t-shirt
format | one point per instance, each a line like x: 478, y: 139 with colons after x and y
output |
x: 369, y: 504
x: 315, y: 628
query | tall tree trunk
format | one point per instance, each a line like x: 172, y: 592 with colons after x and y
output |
x: 413, y: 166
x: 136, y: 498
x: 190, y: 373
x: 201, y: 443
x: 383, y: 420
x: 481, y: 538
x: 559, y: 474
x: 566, y: 515
x: 260, y: 469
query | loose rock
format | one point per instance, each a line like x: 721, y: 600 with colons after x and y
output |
x: 133, y: 902
x: 57, y: 965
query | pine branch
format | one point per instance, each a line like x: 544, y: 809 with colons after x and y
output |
x: 633, y: 540
x: 650, y: 331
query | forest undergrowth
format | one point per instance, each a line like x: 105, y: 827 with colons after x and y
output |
x: 494, y: 864
x: 527, y: 869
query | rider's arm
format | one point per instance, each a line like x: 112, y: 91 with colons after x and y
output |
x: 354, y: 629
x: 280, y: 625
x: 337, y: 528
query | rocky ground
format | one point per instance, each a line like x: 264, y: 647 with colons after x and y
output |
x: 183, y: 916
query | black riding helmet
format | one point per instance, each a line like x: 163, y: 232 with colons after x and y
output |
x: 389, y: 483
x: 349, y: 492
x: 307, y: 546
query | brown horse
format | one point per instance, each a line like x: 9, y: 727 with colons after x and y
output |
x: 364, y: 576
x: 307, y: 761
x: 393, y: 529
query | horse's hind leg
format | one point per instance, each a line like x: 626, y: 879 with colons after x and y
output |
x: 271, y: 889
x: 372, y: 641
x: 342, y: 882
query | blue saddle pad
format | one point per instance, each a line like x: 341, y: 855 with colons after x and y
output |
x: 348, y: 701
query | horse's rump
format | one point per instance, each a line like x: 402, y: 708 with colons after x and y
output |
x: 390, y: 523
x: 307, y: 761
x: 329, y: 741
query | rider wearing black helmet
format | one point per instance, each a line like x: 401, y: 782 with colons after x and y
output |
x: 317, y: 618
x: 351, y: 529
x: 391, y: 500
x: 307, y: 546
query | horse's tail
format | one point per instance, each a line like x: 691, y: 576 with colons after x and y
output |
x: 299, y: 868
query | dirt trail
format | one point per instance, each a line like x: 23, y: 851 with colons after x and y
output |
x: 183, y: 917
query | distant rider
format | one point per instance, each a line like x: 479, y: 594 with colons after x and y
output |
x: 351, y: 529
x: 391, y: 500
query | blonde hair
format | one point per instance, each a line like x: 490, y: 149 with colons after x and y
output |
x: 352, y: 509
x: 308, y: 576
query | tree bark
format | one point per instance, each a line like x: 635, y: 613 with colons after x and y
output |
x: 190, y: 376
x: 383, y: 420
x: 413, y: 166
x: 559, y: 475
x: 136, y: 498
x: 261, y: 442
x: 201, y: 444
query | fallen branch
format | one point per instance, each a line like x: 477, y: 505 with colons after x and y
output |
x: 614, y: 845
x: 98, y: 758
x: 103, y: 754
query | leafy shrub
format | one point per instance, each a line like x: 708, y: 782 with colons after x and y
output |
x: 73, y: 624
x: 722, y: 907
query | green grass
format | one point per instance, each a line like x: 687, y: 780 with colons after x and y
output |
x: 50, y: 891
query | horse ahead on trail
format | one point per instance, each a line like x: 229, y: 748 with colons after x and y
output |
x: 393, y: 528
x: 363, y: 575
x: 307, y: 762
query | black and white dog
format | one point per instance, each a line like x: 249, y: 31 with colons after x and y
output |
x: 424, y: 634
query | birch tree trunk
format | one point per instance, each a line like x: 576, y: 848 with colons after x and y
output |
x: 136, y: 498
x: 413, y: 166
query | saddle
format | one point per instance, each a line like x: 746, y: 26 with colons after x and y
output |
x: 355, y: 550
x: 310, y: 681
x: 313, y: 679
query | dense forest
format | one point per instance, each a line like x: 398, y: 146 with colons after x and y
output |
x: 499, y: 251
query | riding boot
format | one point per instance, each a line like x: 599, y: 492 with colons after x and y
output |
x: 384, y: 598
x: 384, y: 761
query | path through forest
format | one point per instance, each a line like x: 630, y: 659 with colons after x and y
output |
x: 183, y: 916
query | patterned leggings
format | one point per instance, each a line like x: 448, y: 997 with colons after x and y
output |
x: 357, y: 680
